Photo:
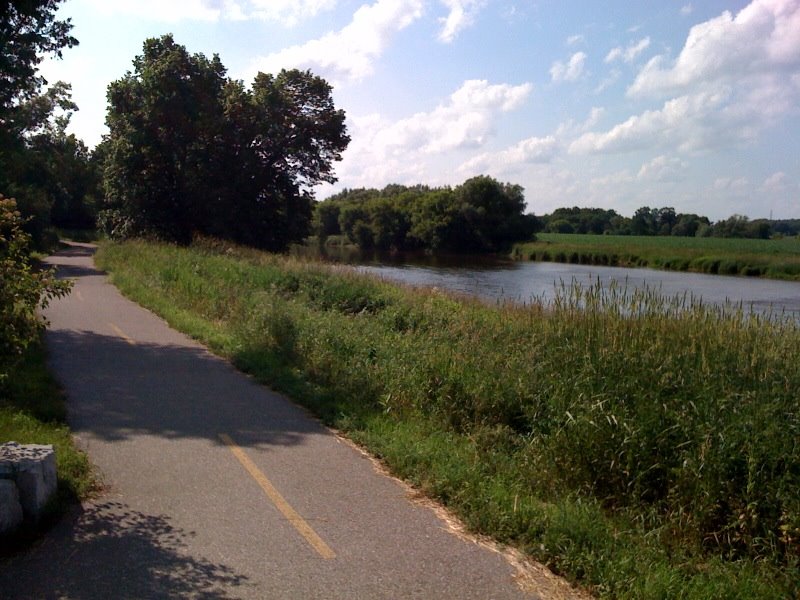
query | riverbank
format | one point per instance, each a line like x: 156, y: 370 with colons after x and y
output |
x: 619, y: 450
x: 775, y: 259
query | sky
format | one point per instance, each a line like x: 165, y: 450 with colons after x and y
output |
x: 613, y: 104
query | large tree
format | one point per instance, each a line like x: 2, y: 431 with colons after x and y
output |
x: 191, y: 151
x: 29, y: 32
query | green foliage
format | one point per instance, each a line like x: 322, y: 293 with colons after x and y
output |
x: 23, y: 289
x: 47, y: 170
x: 774, y: 258
x: 191, y: 151
x: 480, y: 215
x: 643, y: 446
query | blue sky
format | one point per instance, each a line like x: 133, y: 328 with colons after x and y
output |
x: 612, y: 104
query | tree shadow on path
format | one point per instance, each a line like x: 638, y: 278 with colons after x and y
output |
x: 107, y: 550
x: 119, y: 390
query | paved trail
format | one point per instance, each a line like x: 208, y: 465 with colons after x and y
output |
x: 218, y: 487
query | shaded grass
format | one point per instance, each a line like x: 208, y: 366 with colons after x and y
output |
x: 775, y: 259
x: 32, y: 411
x: 645, y: 447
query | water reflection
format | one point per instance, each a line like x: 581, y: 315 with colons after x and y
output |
x: 499, y: 279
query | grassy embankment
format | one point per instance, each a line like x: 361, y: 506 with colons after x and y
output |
x: 645, y: 456
x: 32, y: 411
x: 776, y: 259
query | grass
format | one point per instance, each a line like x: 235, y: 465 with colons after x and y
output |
x: 641, y: 447
x: 776, y: 259
x: 32, y: 411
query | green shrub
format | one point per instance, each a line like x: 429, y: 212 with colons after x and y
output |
x: 23, y: 289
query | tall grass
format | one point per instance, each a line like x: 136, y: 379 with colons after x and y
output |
x: 776, y: 259
x: 644, y: 447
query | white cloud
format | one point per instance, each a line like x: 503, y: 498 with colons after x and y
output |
x: 777, y: 182
x: 734, y: 78
x: 662, y: 168
x: 762, y: 37
x: 575, y: 39
x: 288, y: 12
x: 570, y: 128
x: 350, y: 53
x: 157, y: 10
x: 686, y: 10
x: 612, y: 78
x: 533, y: 150
x: 630, y: 53
x: 462, y: 14
x: 383, y: 151
x: 570, y: 71
x: 738, y: 186
x: 687, y: 123
x: 464, y: 121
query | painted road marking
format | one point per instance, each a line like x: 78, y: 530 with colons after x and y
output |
x: 299, y: 523
x: 122, y: 334
x: 79, y: 295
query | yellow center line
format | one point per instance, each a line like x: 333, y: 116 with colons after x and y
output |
x: 122, y: 334
x: 299, y: 523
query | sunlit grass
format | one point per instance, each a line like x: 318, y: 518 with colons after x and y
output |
x: 646, y: 447
x: 777, y: 259
x: 32, y: 411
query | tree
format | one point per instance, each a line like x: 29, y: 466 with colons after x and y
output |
x: 666, y: 220
x: 191, y: 151
x: 29, y: 31
x: 644, y: 221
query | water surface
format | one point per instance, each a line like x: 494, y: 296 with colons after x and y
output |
x: 522, y: 281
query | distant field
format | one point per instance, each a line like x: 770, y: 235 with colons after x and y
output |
x: 776, y: 259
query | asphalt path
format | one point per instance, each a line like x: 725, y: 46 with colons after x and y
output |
x: 217, y: 487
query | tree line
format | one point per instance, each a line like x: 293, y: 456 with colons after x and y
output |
x: 480, y: 215
x: 662, y: 221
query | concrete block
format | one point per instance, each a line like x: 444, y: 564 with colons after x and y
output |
x: 10, y: 508
x: 33, y: 468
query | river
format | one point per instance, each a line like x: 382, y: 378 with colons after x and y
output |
x: 523, y: 281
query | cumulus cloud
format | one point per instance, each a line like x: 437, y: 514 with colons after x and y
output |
x: 777, y: 182
x: 630, y: 53
x: 350, y: 53
x: 734, y: 77
x: 384, y: 150
x: 763, y: 37
x: 686, y: 10
x: 662, y: 168
x: 462, y: 14
x: 533, y: 150
x: 464, y: 121
x: 569, y: 71
x: 687, y: 123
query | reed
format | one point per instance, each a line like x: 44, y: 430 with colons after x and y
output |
x: 774, y: 259
x: 645, y: 447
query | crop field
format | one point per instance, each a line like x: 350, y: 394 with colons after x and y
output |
x: 639, y: 447
x: 777, y: 259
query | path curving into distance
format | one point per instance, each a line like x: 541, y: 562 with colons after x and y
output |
x: 217, y: 487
